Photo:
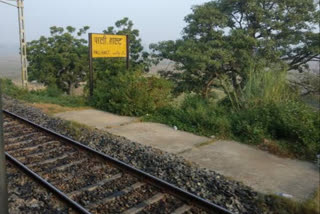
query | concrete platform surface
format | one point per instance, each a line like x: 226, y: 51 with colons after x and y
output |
x: 96, y: 118
x: 159, y: 136
x: 261, y: 170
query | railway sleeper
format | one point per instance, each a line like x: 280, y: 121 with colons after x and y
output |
x: 21, y: 137
x: 139, y: 207
x: 38, y: 150
x: 183, y: 209
x: 94, y: 186
x: 16, y: 130
x: 25, y: 145
x: 52, y: 160
x: 116, y: 195
x: 40, y: 155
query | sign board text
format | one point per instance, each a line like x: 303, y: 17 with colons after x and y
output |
x: 108, y: 46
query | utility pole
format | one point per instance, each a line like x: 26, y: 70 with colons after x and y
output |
x: 23, y: 45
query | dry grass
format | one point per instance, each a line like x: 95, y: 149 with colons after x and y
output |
x: 282, y: 205
x: 314, y: 203
x: 51, y: 109
x: 274, y: 148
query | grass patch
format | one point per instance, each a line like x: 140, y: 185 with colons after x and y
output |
x: 77, y: 128
x: 281, y: 205
x: 51, y: 95
x: 279, y: 148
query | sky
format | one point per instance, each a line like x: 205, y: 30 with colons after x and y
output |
x: 157, y: 20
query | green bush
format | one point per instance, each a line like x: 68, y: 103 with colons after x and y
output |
x: 195, y: 115
x: 293, y: 125
x: 291, y: 121
x: 50, y: 91
x: 131, y: 93
x: 12, y: 90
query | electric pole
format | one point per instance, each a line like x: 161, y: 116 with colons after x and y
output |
x: 23, y: 45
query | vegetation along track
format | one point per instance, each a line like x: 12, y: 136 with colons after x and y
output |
x: 90, y: 181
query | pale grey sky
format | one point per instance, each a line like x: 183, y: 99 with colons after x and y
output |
x: 156, y: 20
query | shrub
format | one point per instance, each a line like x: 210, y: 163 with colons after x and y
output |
x: 293, y: 125
x: 196, y: 115
x: 292, y: 121
x: 131, y: 93
x: 51, y: 91
x: 12, y: 90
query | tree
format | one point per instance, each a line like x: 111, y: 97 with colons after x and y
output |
x: 61, y: 59
x: 231, y: 37
x: 308, y: 83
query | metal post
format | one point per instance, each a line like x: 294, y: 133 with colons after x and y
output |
x: 3, y: 174
x: 23, y: 45
x: 127, y: 52
x: 90, y: 67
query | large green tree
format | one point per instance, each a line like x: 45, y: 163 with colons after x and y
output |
x: 231, y: 37
x: 60, y: 59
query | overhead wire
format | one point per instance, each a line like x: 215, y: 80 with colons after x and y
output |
x: 8, y: 3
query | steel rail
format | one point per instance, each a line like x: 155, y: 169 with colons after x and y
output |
x: 46, y: 184
x: 170, y: 188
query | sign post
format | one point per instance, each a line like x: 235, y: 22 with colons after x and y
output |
x: 3, y: 175
x: 106, y: 46
x: 127, y: 37
x: 90, y: 66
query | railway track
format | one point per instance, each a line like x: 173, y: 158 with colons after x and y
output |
x: 90, y: 181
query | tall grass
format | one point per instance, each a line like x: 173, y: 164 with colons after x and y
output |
x: 266, y: 86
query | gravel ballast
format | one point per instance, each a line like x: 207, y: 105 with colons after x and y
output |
x: 27, y: 196
x: 230, y: 194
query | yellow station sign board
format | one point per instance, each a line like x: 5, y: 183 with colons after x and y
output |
x: 108, y: 46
